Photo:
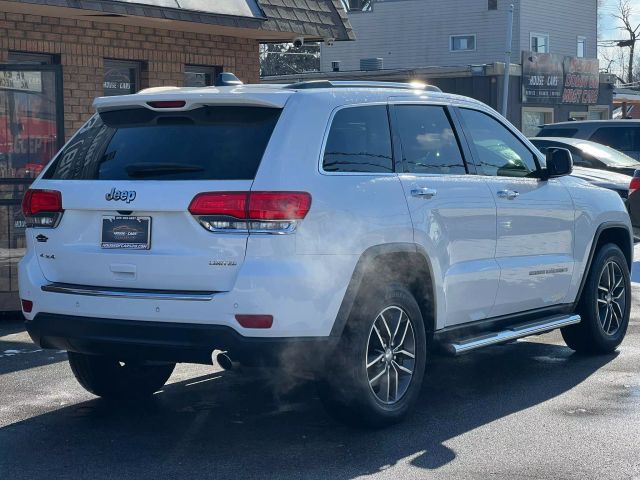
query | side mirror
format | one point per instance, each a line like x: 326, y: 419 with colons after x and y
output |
x: 559, y: 163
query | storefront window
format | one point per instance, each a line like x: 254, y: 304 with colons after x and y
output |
x: 533, y: 118
x: 598, y: 113
x: 121, y: 78
x: 30, y: 135
x: 200, y: 76
x: 26, y: 58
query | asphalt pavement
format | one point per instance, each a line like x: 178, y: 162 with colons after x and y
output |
x: 531, y: 409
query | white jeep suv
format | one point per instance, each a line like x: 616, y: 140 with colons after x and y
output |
x: 352, y: 227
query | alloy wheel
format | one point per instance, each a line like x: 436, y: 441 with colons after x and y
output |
x: 390, y: 356
x: 611, y: 298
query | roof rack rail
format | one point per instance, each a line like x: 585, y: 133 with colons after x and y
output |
x: 360, y: 84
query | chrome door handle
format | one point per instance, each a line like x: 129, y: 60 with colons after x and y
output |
x: 423, y: 192
x: 508, y: 194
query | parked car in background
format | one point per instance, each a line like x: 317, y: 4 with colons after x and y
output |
x: 623, y: 135
x: 618, y: 182
x: 590, y: 154
x: 633, y: 203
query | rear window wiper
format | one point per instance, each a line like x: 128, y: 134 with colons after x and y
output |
x: 148, y: 169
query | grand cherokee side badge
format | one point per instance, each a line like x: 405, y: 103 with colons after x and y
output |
x: 124, y: 195
x: 222, y: 263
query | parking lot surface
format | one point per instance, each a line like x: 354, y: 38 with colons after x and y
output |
x: 529, y: 409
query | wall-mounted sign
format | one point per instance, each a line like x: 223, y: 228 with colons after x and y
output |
x: 549, y: 78
x: 21, y: 81
x: 542, y: 77
x: 581, y: 81
x: 120, y: 78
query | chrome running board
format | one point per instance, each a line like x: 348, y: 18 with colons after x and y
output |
x: 136, y: 293
x: 512, y: 333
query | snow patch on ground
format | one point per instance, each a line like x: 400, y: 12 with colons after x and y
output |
x: 11, y: 353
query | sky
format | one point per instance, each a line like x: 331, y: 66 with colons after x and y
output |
x: 608, y: 28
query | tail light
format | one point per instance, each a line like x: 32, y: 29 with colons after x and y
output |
x: 255, y: 321
x: 635, y: 182
x: 42, y: 208
x: 255, y: 212
x: 167, y: 104
x: 27, y: 305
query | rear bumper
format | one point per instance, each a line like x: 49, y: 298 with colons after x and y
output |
x: 303, y: 293
x: 171, y: 342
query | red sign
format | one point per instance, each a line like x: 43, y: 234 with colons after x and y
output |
x: 581, y: 81
x: 550, y: 78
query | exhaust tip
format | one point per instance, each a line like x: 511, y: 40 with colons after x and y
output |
x: 225, y: 361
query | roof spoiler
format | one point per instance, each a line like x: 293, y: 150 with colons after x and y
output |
x: 182, y: 102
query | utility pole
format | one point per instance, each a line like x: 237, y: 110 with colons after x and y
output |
x: 507, y: 62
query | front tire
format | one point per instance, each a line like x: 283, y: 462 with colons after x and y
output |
x: 109, y: 378
x: 373, y: 379
x: 605, y: 305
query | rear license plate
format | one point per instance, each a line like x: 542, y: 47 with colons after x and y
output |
x: 128, y: 232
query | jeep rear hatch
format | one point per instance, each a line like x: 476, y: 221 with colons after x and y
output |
x: 127, y: 181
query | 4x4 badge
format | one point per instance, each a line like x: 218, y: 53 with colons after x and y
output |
x: 124, y: 195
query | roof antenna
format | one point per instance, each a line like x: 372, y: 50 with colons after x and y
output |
x: 227, y: 79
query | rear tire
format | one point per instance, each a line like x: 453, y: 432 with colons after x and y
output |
x: 605, y: 305
x: 109, y: 378
x: 366, y: 382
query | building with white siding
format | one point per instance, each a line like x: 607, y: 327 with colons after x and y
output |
x: 459, y: 45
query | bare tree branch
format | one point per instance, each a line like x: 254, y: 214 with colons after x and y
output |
x: 625, y: 15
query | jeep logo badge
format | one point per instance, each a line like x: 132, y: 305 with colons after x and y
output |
x: 124, y: 195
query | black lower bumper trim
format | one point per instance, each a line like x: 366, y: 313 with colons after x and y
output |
x: 162, y: 341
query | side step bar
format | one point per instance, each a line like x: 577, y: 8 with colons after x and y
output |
x: 511, y: 333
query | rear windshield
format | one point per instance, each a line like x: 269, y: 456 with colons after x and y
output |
x: 208, y: 143
x: 557, y: 132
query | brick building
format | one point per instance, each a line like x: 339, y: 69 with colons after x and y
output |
x: 56, y: 56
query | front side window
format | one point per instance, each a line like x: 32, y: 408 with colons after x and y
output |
x: 359, y: 141
x: 460, y: 43
x: 429, y: 144
x: 121, y: 78
x: 540, y: 42
x: 498, y: 151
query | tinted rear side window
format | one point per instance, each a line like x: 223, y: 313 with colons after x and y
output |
x: 209, y: 143
x: 557, y: 132
x: 429, y: 144
x: 620, y: 138
x: 359, y: 141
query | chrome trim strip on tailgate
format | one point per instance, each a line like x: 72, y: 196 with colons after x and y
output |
x: 127, y: 292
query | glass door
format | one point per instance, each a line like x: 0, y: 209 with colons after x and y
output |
x: 31, y: 132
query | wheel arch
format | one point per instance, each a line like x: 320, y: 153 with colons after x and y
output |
x: 405, y: 263
x: 608, y: 232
